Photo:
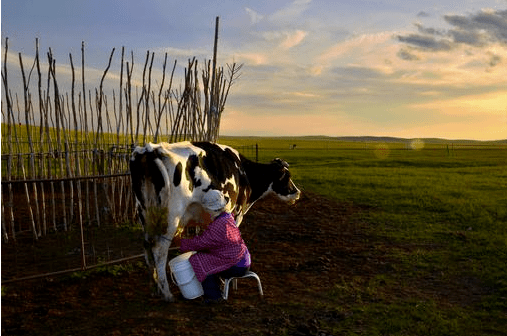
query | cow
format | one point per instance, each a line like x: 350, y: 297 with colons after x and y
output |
x: 169, y: 181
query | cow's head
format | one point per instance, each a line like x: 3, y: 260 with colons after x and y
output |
x: 282, y: 185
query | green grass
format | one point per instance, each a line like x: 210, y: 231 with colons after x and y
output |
x: 438, y: 216
x: 443, y: 212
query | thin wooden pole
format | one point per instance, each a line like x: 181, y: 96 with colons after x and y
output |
x: 68, y: 149
x: 78, y: 171
x: 100, y: 130
x: 10, y: 121
x: 213, y: 98
x: 120, y: 107
x: 27, y: 111
x: 41, y: 136
x: 155, y: 138
x: 59, y: 121
x: 144, y: 93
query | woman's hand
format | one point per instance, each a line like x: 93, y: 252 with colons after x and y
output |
x: 176, y: 242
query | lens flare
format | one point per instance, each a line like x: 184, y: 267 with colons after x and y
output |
x: 417, y: 144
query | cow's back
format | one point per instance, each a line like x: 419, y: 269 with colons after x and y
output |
x: 176, y: 175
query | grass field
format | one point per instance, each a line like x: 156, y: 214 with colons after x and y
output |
x: 432, y: 229
x: 443, y: 206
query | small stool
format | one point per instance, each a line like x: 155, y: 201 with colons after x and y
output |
x: 234, y: 280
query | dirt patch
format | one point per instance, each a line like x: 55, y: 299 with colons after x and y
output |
x: 302, y: 253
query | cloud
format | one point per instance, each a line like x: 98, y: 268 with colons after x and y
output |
x: 177, y: 52
x: 492, y: 23
x: 430, y: 93
x: 459, y: 128
x: 407, y: 56
x: 422, y: 14
x: 244, y: 122
x: 357, y: 72
x: 426, y: 42
x: 293, y: 39
x: 494, y: 103
x: 251, y: 58
x: 291, y: 12
x: 466, y: 54
x: 483, y: 28
x: 472, y: 38
x: 494, y: 60
x: 358, y: 45
x: 430, y: 31
x: 254, y: 16
x: 288, y: 38
x: 305, y: 94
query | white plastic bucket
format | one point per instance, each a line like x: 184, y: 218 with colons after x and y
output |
x: 183, y: 276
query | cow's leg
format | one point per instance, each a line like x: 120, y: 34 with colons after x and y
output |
x: 148, y: 256
x: 160, y: 260
x: 160, y: 250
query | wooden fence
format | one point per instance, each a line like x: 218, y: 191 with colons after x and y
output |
x: 65, y: 148
x: 65, y: 155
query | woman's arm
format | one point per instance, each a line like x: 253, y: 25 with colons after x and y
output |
x: 213, y: 236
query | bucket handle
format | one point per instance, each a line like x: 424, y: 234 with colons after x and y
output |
x: 172, y: 277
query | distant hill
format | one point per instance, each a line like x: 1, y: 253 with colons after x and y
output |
x: 425, y: 140
x: 392, y: 139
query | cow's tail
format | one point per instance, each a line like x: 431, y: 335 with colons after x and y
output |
x: 151, y: 185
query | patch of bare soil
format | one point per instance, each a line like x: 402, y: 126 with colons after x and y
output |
x: 300, y: 253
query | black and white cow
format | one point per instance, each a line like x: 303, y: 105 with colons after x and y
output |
x: 169, y: 181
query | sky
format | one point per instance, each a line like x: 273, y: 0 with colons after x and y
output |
x: 399, y: 68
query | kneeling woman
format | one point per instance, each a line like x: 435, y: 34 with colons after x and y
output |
x: 221, y: 250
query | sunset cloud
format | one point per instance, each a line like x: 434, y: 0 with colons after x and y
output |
x: 493, y: 103
x: 310, y: 67
x: 354, y: 48
x: 293, y: 39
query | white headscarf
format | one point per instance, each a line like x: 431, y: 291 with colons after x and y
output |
x: 214, y: 200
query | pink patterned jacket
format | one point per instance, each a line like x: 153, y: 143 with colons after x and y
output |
x: 219, y: 247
